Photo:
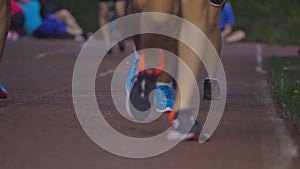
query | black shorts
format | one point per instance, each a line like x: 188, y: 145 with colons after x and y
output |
x: 217, y: 3
x: 17, y: 21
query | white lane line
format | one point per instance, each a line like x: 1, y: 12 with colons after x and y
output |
x: 275, y: 157
x: 259, y: 59
x: 106, y: 73
x: 42, y: 55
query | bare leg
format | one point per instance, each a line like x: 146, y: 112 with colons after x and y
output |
x: 120, y: 8
x: 4, y: 23
x: 103, y: 19
x: 214, y: 35
x: 235, y: 36
x: 73, y: 27
x: 195, y: 11
x: 136, y: 6
x: 159, y: 41
x: 4, y: 26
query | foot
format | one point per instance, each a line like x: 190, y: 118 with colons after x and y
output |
x: 139, y: 87
x: 122, y: 46
x: 3, y: 92
x: 211, y: 90
x: 183, y: 126
x: 165, y: 98
x: 133, y: 71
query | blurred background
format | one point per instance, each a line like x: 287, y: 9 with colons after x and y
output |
x: 272, y: 22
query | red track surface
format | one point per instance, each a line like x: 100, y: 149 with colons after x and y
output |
x: 39, y: 128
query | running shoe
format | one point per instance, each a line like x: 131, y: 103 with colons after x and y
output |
x: 3, y: 92
x: 211, y: 90
x: 122, y: 46
x: 183, y: 126
x: 138, y: 100
x: 132, y: 71
x: 165, y: 98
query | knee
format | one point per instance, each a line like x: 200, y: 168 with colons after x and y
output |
x: 64, y: 12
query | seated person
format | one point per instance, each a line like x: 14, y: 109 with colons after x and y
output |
x: 55, y: 25
x: 17, y: 20
x: 227, y: 23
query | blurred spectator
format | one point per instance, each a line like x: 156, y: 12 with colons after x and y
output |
x: 104, y: 17
x: 55, y: 25
x: 49, y: 7
x: 17, y: 20
x: 227, y: 24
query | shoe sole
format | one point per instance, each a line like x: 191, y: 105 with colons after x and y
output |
x: 127, y: 102
x: 167, y: 110
x: 176, y: 136
x: 141, y: 116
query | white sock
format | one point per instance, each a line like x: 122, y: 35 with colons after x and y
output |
x: 209, y: 78
x: 164, y: 84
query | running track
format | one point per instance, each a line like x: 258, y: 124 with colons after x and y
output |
x: 39, y: 128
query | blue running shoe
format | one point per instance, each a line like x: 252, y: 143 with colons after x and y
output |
x: 133, y: 71
x: 138, y: 100
x: 165, y: 98
x: 3, y: 92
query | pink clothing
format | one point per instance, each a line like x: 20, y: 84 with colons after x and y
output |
x: 15, y: 7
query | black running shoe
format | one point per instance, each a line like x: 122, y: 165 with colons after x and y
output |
x: 211, y: 90
x: 122, y: 46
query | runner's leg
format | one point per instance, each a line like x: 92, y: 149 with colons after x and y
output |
x: 103, y: 19
x: 195, y: 11
x: 4, y: 23
x: 4, y: 26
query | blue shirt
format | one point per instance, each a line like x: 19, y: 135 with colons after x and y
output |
x: 227, y: 16
x: 33, y: 19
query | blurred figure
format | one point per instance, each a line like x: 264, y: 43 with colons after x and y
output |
x: 227, y: 24
x: 198, y: 12
x: 104, y: 9
x: 136, y: 6
x: 17, y: 20
x: 55, y: 25
x: 4, y: 26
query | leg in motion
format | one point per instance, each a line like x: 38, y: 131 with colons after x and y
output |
x: 4, y: 26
